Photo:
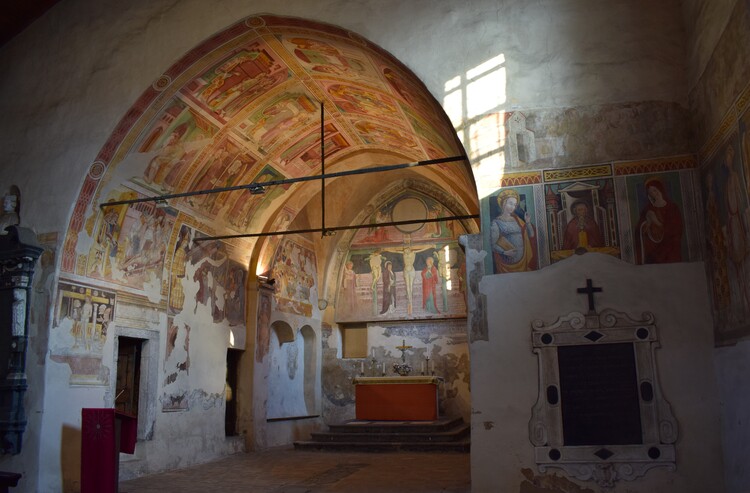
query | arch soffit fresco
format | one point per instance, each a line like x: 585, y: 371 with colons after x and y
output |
x: 243, y: 107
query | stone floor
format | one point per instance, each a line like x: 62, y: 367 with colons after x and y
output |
x: 290, y: 471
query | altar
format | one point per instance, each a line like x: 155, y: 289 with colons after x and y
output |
x: 409, y: 398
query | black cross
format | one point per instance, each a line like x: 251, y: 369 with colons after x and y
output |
x: 590, y: 290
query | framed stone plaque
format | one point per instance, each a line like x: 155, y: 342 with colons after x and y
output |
x: 600, y: 414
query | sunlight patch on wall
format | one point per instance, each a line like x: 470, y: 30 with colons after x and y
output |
x: 475, y: 103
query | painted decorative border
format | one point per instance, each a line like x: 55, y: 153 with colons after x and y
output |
x: 655, y: 165
x: 598, y: 171
x: 515, y: 179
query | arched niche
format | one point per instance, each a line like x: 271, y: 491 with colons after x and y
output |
x: 310, y: 367
x: 283, y: 331
x: 292, y: 372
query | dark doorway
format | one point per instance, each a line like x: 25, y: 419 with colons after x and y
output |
x: 128, y: 374
x: 230, y: 417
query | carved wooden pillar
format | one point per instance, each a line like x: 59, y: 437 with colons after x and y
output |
x: 18, y: 255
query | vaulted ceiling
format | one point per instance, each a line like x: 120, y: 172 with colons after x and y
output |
x: 245, y: 107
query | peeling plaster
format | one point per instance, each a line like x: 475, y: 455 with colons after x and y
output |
x: 549, y: 483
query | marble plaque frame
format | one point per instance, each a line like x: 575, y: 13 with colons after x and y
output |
x: 604, y: 464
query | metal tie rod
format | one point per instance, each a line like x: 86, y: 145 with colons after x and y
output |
x: 255, y: 186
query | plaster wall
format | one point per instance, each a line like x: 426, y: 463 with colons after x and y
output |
x: 284, y: 409
x: 705, y: 21
x: 505, y: 371
x: 183, y: 408
x: 720, y: 71
x: 733, y: 375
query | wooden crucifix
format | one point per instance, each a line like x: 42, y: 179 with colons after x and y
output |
x: 403, y: 347
x: 590, y: 290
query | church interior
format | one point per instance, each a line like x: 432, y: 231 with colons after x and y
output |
x: 233, y: 226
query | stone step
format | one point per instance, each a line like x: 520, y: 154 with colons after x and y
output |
x: 389, y: 435
x: 441, y: 435
x: 374, y: 427
x: 462, y: 446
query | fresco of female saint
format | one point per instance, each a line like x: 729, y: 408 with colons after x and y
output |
x: 659, y: 230
x: 389, y: 289
x: 430, y: 280
x: 513, y: 239
x: 349, y: 288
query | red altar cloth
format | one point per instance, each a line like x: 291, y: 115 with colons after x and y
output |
x: 105, y: 433
x: 396, y: 398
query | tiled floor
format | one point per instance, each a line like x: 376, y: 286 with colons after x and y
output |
x: 290, y: 471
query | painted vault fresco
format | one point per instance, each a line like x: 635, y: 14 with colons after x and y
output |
x: 249, y: 110
x: 403, y: 272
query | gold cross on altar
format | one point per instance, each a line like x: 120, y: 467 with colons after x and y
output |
x: 403, y: 347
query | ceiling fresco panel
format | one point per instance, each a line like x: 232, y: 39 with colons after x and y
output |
x: 238, y: 80
x: 319, y: 57
x: 281, y: 118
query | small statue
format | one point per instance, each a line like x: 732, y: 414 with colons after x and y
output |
x: 10, y: 216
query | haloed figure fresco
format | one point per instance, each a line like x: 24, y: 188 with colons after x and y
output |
x: 513, y: 238
x: 659, y: 231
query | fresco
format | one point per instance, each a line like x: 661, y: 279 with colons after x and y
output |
x: 582, y: 216
x: 82, y: 319
x: 246, y: 203
x: 295, y: 273
x: 170, y: 146
x: 129, y: 244
x: 363, y: 101
x: 226, y: 165
x: 327, y: 57
x: 248, y: 106
x: 406, y: 271
x: 176, y: 384
x: 658, y: 226
x: 641, y: 211
x: 726, y: 219
x: 206, y: 288
x: 304, y: 155
x: 513, y: 232
x: 280, y: 118
x: 263, y: 325
x: 238, y: 80
x: 384, y: 136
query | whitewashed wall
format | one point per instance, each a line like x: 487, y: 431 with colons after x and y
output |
x: 505, y: 371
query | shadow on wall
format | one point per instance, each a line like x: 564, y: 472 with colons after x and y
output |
x: 70, y: 459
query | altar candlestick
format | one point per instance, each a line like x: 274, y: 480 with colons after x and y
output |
x: 362, y: 367
x: 422, y: 367
x: 383, y: 368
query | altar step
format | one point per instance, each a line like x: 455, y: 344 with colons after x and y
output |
x: 442, y: 435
